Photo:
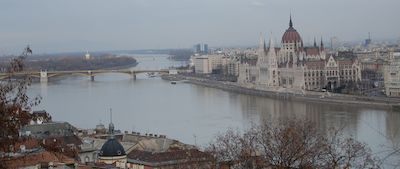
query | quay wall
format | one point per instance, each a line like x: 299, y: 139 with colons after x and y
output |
x: 308, y: 96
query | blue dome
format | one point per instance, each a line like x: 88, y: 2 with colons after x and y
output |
x: 112, y: 148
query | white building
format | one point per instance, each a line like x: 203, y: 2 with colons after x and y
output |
x: 87, y: 56
x: 233, y: 67
x: 205, y: 64
x: 202, y: 65
x: 392, y: 76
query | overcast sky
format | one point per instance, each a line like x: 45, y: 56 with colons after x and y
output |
x: 95, y: 25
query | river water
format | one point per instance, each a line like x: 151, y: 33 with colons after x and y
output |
x: 195, y: 114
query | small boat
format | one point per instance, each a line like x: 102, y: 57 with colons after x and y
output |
x: 173, y: 82
x: 151, y: 74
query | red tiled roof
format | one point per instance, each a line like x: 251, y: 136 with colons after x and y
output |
x: 312, y: 51
x: 36, y: 158
x: 29, y: 143
x: 342, y: 62
x: 174, y: 155
x: 291, y: 36
x: 65, y: 140
x: 315, y: 63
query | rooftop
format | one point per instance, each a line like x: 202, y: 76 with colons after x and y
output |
x: 167, y: 158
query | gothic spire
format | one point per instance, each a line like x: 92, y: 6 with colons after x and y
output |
x: 315, y: 42
x: 271, y: 50
x: 290, y: 22
x: 322, y: 44
x: 262, y: 46
x: 271, y: 44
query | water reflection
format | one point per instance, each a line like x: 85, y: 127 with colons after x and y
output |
x: 392, y: 122
x: 378, y: 128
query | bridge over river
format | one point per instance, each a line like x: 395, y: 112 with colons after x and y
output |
x: 44, y: 75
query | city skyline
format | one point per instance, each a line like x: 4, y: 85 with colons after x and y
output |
x: 153, y: 24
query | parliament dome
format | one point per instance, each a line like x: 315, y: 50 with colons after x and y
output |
x: 291, y: 35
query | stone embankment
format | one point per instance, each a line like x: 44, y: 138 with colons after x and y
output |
x: 309, y: 96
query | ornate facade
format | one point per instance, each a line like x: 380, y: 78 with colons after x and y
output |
x: 293, y: 66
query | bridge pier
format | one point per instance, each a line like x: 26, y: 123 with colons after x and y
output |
x: 43, y: 76
x: 91, y: 75
x: 133, y: 75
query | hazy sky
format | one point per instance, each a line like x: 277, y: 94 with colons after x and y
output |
x: 80, y: 25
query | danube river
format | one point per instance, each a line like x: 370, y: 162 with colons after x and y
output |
x: 195, y: 114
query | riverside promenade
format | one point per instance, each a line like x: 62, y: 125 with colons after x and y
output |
x: 284, y: 94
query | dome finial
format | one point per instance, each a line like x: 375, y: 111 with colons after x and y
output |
x: 290, y: 22
x: 111, y: 126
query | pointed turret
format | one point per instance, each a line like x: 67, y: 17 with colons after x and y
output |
x: 271, y: 44
x: 315, y: 42
x: 272, y: 64
x: 271, y: 51
x: 111, y: 126
x: 322, y: 45
x: 262, y: 47
x: 290, y: 22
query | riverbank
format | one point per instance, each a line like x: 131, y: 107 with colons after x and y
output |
x: 78, y: 63
x: 308, y: 96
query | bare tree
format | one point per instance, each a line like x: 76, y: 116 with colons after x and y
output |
x: 15, y: 104
x: 234, y: 149
x: 291, y: 144
x: 342, y: 152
